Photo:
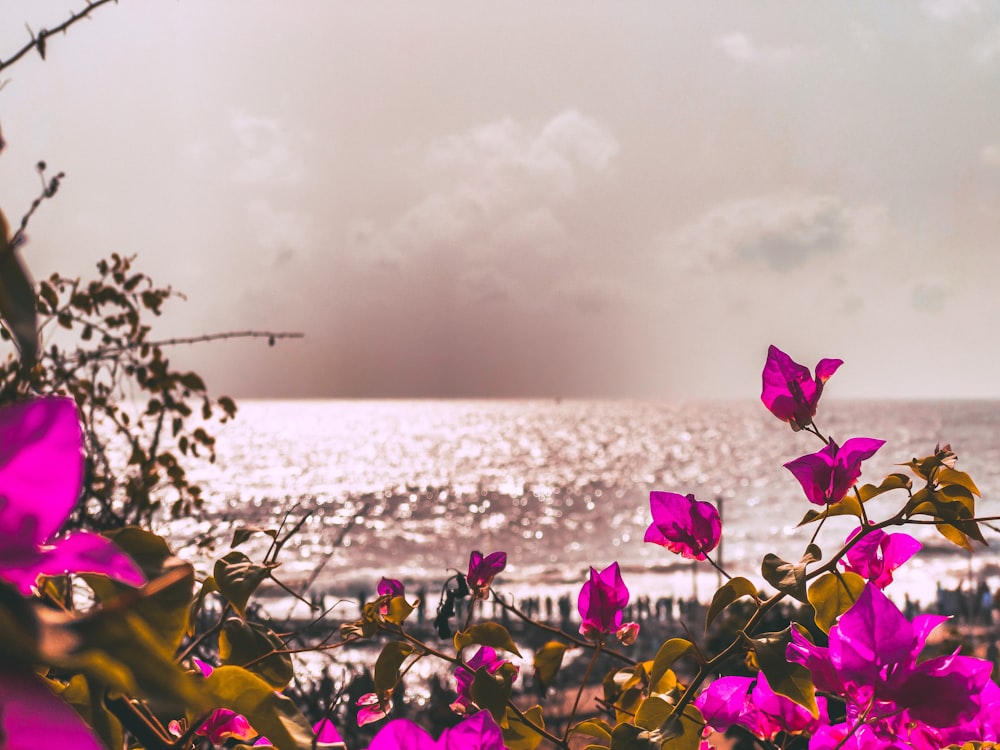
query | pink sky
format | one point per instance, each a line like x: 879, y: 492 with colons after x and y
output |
x: 527, y: 199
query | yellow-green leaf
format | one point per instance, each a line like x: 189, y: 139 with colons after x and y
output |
x: 486, y: 634
x: 270, y: 713
x: 237, y: 578
x: 388, y: 663
x: 548, y: 659
x: 730, y: 591
x: 671, y: 650
x: 652, y: 713
x: 786, y: 678
x: 518, y: 735
x: 593, y: 728
x: 832, y: 594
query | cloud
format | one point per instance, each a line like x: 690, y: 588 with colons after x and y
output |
x: 929, y: 298
x: 990, y: 155
x: 267, y: 156
x: 947, y: 10
x: 780, y: 232
x: 738, y: 47
x: 285, y: 233
x: 988, y: 49
x: 499, y: 200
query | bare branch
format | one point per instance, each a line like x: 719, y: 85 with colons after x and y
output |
x: 38, y: 41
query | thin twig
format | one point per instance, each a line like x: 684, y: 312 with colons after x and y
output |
x: 38, y: 41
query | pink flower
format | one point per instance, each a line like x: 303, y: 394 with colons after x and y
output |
x: 484, y: 658
x: 602, y: 599
x: 827, y: 475
x: 789, y: 391
x: 628, y: 633
x: 752, y: 703
x: 477, y: 732
x: 871, y: 663
x: 31, y: 716
x: 683, y: 525
x: 326, y: 731
x: 371, y: 708
x: 223, y: 723
x: 389, y: 587
x: 878, y: 554
x: 41, y: 471
x: 482, y: 571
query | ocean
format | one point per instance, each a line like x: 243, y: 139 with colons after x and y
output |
x: 407, y: 489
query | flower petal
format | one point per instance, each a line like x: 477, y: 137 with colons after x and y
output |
x: 31, y: 716
x: 41, y: 467
x: 84, y: 552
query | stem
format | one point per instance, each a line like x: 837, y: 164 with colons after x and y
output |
x: 579, y: 693
x: 826, y: 515
x: 38, y: 40
x: 561, y: 633
x: 716, y: 566
x: 535, y: 728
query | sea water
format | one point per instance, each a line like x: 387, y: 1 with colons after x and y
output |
x: 406, y: 489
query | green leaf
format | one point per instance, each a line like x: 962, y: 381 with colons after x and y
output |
x: 788, y: 679
x: 270, y: 713
x: 683, y: 732
x: 244, y: 533
x: 520, y: 736
x: 892, y: 482
x: 90, y: 705
x: 730, y: 591
x: 237, y: 578
x: 593, y: 728
x: 397, y: 610
x: 119, y: 649
x: 832, y: 594
x: 18, y: 304
x: 849, y: 506
x: 960, y: 478
x: 257, y: 648
x: 492, y: 691
x: 486, y: 634
x: 652, y: 713
x: 629, y: 737
x: 548, y: 659
x: 671, y: 650
x: 166, y: 602
x: 388, y: 663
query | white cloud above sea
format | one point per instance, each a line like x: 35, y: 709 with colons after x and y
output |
x: 267, y: 156
x: 780, y: 232
x: 947, y: 10
x: 740, y: 48
x: 496, y: 197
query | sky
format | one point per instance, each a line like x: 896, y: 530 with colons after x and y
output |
x: 530, y: 199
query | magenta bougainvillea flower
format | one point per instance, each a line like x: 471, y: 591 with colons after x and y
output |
x: 484, y: 658
x: 878, y: 554
x: 41, y: 471
x: 871, y: 663
x: 32, y: 716
x: 223, y: 723
x: 827, y: 475
x: 371, y: 708
x: 477, y: 732
x: 628, y: 633
x: 482, y: 571
x: 601, y: 601
x: 790, y: 393
x: 683, y: 525
x: 390, y: 587
x: 751, y: 703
